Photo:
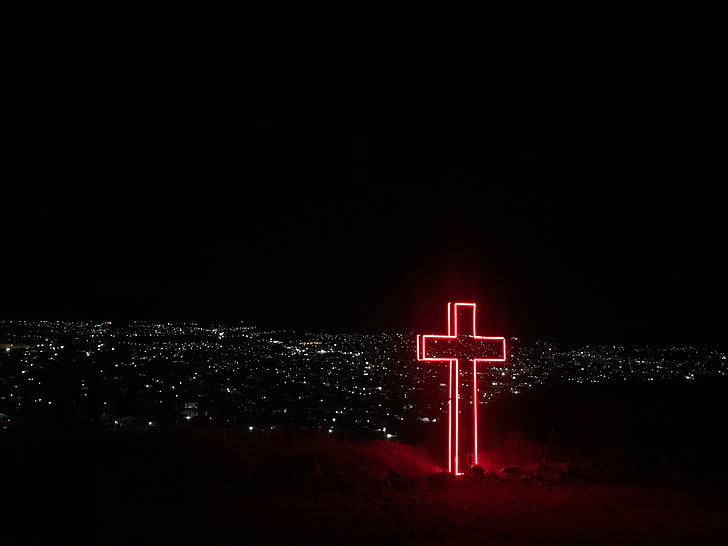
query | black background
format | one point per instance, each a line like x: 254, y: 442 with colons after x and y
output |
x: 587, y: 211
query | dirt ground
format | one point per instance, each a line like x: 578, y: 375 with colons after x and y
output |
x: 388, y: 494
x: 468, y: 512
x: 208, y: 487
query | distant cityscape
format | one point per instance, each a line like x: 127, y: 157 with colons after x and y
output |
x: 143, y: 375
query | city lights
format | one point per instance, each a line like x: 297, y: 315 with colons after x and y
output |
x: 366, y: 385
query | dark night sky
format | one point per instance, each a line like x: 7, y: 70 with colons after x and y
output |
x: 589, y: 221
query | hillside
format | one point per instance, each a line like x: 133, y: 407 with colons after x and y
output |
x: 212, y: 486
x: 567, y: 473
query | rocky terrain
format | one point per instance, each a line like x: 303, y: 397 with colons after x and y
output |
x: 208, y: 485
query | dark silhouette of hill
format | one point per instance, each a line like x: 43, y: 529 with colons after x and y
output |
x: 578, y: 464
x: 662, y: 432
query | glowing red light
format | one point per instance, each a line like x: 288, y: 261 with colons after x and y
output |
x: 454, y: 346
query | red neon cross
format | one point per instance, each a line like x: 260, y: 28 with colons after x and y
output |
x: 461, y: 342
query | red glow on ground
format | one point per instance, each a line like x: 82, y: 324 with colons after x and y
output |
x: 452, y: 348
